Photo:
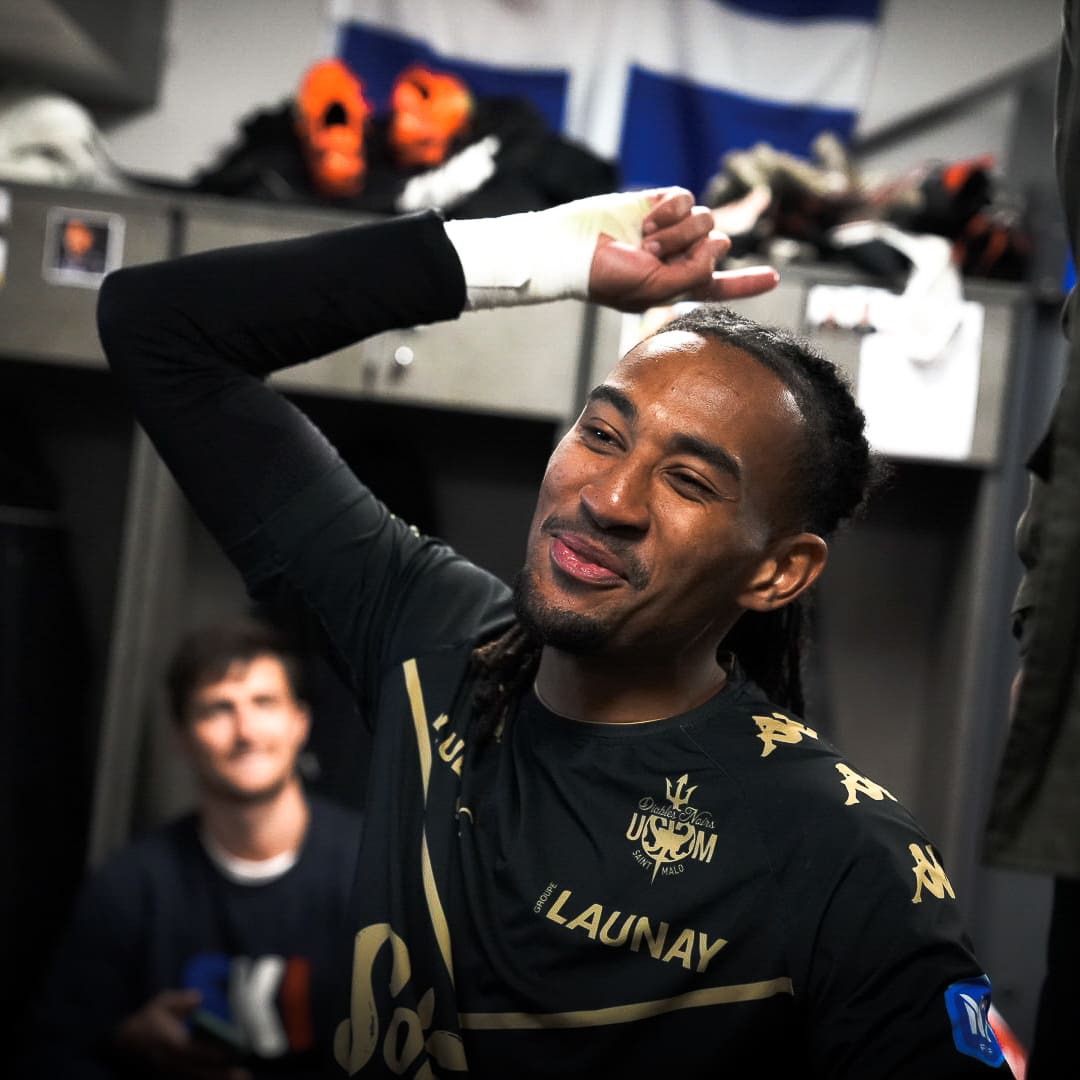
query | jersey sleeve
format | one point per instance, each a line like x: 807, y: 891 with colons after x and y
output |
x: 192, y: 339
x: 890, y: 984
x: 381, y: 591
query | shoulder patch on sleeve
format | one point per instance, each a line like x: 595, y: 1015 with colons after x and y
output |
x: 968, y: 1004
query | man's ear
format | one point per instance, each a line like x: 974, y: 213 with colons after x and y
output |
x: 792, y: 566
x: 305, y: 714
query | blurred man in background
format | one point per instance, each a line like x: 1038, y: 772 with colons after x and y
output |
x: 212, y: 947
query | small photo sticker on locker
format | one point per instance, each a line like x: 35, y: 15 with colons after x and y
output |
x: 81, y: 246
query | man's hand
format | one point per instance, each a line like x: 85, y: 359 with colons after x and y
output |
x: 157, y: 1037
x: 675, y: 259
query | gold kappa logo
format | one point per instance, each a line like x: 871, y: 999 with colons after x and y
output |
x: 856, y: 784
x: 670, y: 832
x: 929, y: 874
x: 779, y: 728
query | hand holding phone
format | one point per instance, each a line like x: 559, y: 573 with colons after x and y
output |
x: 173, y: 1037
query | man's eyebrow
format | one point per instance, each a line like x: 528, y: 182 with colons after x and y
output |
x: 616, y: 399
x: 715, y: 455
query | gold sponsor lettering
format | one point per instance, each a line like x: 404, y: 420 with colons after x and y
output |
x: 588, y: 920
x: 643, y: 931
x: 929, y: 874
x: 682, y: 949
x: 408, y: 1034
x: 451, y: 750
x: 543, y: 898
x: 553, y: 911
x: 860, y: 785
x: 401, y: 1050
x: 780, y: 729
x: 691, y: 948
x: 624, y: 933
x: 707, y: 951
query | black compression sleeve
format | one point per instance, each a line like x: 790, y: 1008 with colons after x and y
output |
x: 191, y: 337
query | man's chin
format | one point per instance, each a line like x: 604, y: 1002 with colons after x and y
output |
x: 247, y: 794
x: 557, y: 628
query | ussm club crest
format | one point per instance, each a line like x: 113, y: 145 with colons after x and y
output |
x: 668, y: 833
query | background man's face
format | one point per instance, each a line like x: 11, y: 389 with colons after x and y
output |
x: 245, y: 731
x: 661, y: 502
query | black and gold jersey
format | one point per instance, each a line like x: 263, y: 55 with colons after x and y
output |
x: 717, y: 890
x: 704, y: 895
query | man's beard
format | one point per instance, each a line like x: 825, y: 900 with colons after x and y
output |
x: 567, y: 631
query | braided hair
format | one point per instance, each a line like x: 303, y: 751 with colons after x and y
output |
x: 830, y: 480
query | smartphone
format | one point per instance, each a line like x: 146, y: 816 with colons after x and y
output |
x: 206, y: 1026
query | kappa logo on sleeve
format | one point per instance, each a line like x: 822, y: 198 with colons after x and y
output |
x: 929, y: 874
x: 779, y: 728
x: 968, y: 1004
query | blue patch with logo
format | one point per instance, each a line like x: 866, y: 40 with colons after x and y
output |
x: 969, y: 1010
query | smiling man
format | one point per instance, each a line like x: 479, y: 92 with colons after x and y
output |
x: 660, y: 520
x: 212, y: 946
x: 242, y: 728
x: 601, y: 840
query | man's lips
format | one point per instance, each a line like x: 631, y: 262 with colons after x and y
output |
x: 583, y: 560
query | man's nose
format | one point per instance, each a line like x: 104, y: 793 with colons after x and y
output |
x: 618, y: 498
x: 243, y: 722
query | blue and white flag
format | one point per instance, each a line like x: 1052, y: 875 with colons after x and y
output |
x: 664, y: 87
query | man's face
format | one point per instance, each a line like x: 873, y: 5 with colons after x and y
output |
x: 243, y: 733
x: 659, y: 506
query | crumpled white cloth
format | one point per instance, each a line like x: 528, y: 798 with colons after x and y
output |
x: 931, y: 307
x: 49, y: 138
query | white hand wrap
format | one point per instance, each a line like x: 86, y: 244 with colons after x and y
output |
x: 545, y: 255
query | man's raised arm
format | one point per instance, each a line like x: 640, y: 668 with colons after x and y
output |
x: 191, y: 337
